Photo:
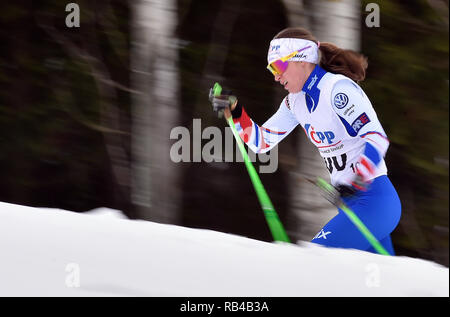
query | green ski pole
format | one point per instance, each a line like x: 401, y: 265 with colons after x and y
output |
x: 273, y: 221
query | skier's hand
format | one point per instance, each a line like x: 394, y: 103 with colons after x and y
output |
x: 364, y: 173
x: 346, y: 191
x: 221, y: 103
x: 227, y: 111
x: 358, y: 184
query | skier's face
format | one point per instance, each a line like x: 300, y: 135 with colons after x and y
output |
x: 295, y: 76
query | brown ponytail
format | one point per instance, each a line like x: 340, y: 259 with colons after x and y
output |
x: 333, y: 59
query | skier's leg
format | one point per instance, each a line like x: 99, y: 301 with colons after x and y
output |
x: 378, y: 208
x: 340, y: 232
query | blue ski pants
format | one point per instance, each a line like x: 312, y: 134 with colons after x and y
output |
x: 379, y: 208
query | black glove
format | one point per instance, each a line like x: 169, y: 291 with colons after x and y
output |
x: 222, y: 101
x: 346, y: 190
x: 358, y: 184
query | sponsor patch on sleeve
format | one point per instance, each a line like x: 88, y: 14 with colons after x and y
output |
x: 361, y: 121
x: 340, y: 100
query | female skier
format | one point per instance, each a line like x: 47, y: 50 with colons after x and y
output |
x: 338, y: 118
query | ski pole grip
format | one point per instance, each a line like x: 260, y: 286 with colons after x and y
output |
x: 217, y: 89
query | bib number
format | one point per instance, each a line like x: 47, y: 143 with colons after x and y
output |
x: 333, y: 163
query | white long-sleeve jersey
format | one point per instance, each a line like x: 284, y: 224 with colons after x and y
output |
x: 337, y: 117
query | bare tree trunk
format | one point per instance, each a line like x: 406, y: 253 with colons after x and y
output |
x: 155, y: 190
x: 337, y: 22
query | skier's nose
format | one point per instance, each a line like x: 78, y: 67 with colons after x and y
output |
x: 277, y: 77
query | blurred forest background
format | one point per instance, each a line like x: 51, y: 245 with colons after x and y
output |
x: 86, y: 112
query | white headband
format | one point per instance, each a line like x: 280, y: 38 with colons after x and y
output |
x: 308, y: 50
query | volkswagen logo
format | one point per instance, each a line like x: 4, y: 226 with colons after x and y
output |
x: 340, y: 100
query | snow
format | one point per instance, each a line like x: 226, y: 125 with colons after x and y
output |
x: 53, y: 252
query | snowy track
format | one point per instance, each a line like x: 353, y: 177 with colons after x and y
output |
x: 51, y: 252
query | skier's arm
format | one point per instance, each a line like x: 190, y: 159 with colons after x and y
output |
x: 261, y: 139
x: 360, y: 120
